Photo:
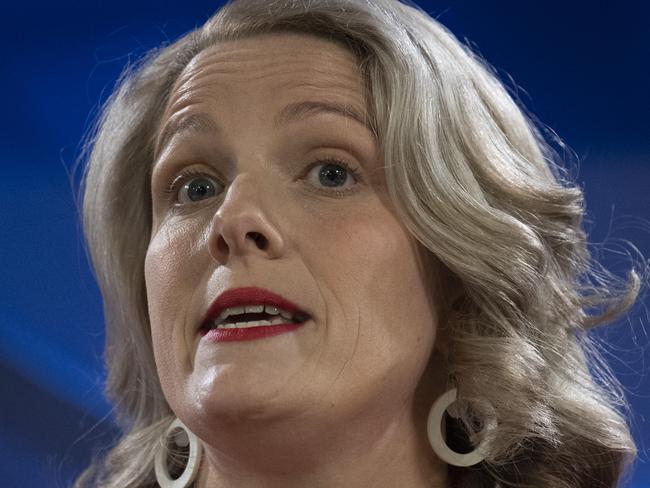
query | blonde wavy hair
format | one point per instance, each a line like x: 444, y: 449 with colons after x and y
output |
x: 477, y: 185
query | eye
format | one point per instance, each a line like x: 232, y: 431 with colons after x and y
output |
x: 197, y: 189
x: 332, y: 173
x: 191, y: 187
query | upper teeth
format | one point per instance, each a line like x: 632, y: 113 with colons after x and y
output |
x: 271, y: 310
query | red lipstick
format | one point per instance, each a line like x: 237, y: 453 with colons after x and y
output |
x: 249, y: 333
x: 238, y: 297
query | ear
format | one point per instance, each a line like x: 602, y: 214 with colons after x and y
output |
x: 448, y: 296
x: 441, y: 344
x: 452, y: 300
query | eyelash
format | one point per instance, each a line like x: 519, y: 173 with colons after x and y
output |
x: 184, y: 176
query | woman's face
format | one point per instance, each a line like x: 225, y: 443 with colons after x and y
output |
x: 327, y: 241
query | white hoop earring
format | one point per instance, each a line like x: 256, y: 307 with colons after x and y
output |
x: 434, y: 431
x: 193, y: 462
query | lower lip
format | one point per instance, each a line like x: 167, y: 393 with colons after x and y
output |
x: 249, y: 333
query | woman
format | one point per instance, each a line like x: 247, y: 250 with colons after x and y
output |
x: 350, y: 173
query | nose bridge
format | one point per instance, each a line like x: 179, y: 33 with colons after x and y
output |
x: 249, y: 191
x: 242, y: 223
x: 240, y: 193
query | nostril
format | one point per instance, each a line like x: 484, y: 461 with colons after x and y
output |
x: 259, y: 239
x: 222, y: 245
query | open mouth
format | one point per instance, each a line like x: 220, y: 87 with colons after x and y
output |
x: 246, y: 330
x: 252, y: 309
x: 255, y: 319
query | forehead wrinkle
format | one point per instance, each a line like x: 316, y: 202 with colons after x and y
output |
x: 202, y: 122
x: 327, y: 77
x: 251, y: 62
x: 229, y: 58
x: 316, y: 77
x: 352, y: 96
x: 352, y: 87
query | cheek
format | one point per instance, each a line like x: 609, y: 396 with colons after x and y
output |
x: 400, y: 321
x: 171, y: 271
x: 369, y: 256
x: 161, y: 268
x: 171, y: 286
x: 369, y: 266
x: 398, y: 297
x: 369, y: 262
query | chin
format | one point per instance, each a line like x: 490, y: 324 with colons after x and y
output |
x: 232, y: 404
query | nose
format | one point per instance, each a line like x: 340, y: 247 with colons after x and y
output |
x: 242, y: 227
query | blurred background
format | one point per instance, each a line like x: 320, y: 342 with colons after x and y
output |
x: 581, y: 67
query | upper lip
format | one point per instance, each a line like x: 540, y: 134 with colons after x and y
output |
x: 251, y: 295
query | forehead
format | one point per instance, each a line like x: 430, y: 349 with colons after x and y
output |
x: 276, y: 56
x: 266, y: 74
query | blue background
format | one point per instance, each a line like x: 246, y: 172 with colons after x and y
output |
x: 582, y: 69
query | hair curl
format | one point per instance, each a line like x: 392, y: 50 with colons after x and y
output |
x: 475, y: 183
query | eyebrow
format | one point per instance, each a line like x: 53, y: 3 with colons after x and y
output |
x: 202, y: 123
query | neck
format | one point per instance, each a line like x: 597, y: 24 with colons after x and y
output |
x: 397, y: 456
x: 386, y: 447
